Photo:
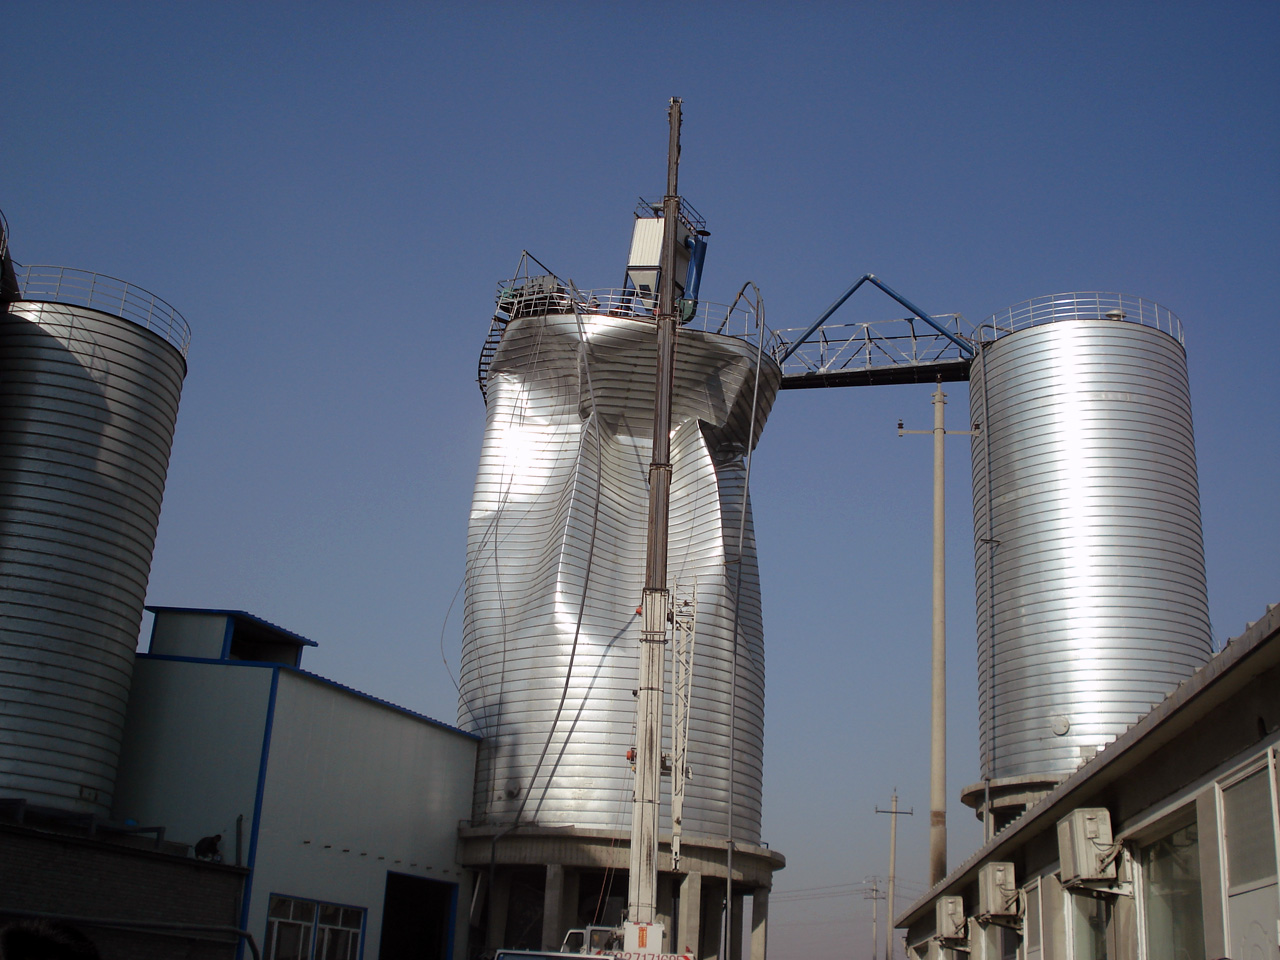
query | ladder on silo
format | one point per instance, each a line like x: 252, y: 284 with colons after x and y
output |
x: 684, y: 619
x: 496, y: 328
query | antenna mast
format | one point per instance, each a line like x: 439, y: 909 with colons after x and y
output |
x: 642, y: 886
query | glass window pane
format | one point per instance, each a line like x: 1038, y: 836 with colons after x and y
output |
x: 278, y: 907
x: 1089, y: 919
x: 1171, y: 896
x: 330, y: 914
x: 292, y: 940
x: 304, y: 910
x: 1249, y: 830
x: 1009, y: 943
x: 351, y: 918
x: 339, y: 945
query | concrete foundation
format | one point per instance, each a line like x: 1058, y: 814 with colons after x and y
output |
x: 581, y: 879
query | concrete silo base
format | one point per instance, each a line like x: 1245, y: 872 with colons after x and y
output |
x: 537, y: 883
x: 998, y: 802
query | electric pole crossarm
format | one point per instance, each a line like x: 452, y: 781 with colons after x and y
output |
x: 894, y: 814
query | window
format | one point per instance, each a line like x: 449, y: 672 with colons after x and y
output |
x: 1031, y: 924
x: 310, y: 930
x: 1249, y: 840
x: 1090, y: 918
x: 1174, y: 918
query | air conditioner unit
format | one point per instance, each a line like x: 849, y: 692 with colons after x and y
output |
x: 1085, y: 845
x: 997, y: 891
x: 950, y: 918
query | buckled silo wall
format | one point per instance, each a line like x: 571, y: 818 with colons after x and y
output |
x: 562, y: 487
x: 1090, y: 585
x: 87, y: 409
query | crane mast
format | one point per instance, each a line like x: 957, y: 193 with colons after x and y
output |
x: 642, y: 889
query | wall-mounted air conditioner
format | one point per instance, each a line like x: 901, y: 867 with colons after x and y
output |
x: 950, y: 918
x: 997, y: 891
x: 1085, y: 847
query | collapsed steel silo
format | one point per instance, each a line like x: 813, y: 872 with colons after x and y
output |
x: 91, y: 370
x: 560, y: 513
x: 555, y: 574
x: 1090, y: 584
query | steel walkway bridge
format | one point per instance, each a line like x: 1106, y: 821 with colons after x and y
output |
x: 919, y: 348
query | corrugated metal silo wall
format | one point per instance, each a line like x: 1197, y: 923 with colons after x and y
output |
x: 562, y: 486
x: 88, y: 403
x: 1087, y: 537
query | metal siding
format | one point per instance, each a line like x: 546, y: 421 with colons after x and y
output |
x: 1087, y: 537
x: 566, y: 448
x: 353, y: 789
x: 88, y: 403
x: 192, y: 748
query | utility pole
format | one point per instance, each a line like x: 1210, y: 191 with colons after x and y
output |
x: 894, y: 814
x: 642, y: 882
x: 938, y: 725
x: 875, y: 894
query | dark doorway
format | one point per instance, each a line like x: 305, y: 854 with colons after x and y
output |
x: 417, y: 918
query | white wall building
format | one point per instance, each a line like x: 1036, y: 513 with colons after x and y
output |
x: 1165, y: 846
x: 344, y: 807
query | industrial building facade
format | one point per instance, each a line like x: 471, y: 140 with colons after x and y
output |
x: 343, y: 808
x: 1162, y: 847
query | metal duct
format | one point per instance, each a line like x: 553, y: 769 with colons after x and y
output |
x: 1090, y: 564
x: 87, y: 408
x: 562, y: 487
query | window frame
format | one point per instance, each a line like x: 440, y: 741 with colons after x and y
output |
x: 1168, y: 824
x: 314, y: 925
x: 1264, y: 762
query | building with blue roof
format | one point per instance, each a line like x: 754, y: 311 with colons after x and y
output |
x: 342, y: 807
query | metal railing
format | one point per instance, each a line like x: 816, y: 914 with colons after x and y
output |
x: 43, y: 283
x: 1081, y: 306
x: 537, y: 296
x: 693, y: 221
x: 835, y: 348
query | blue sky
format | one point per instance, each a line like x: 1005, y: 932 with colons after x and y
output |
x: 330, y: 192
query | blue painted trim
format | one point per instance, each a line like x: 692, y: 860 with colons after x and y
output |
x: 453, y: 922
x: 257, y: 807
x: 227, y: 633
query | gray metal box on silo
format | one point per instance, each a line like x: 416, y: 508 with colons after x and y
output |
x: 1091, y: 594
x: 91, y: 370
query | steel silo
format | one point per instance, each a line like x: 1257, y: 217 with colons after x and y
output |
x: 1090, y: 564
x: 91, y: 370
x: 555, y: 567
